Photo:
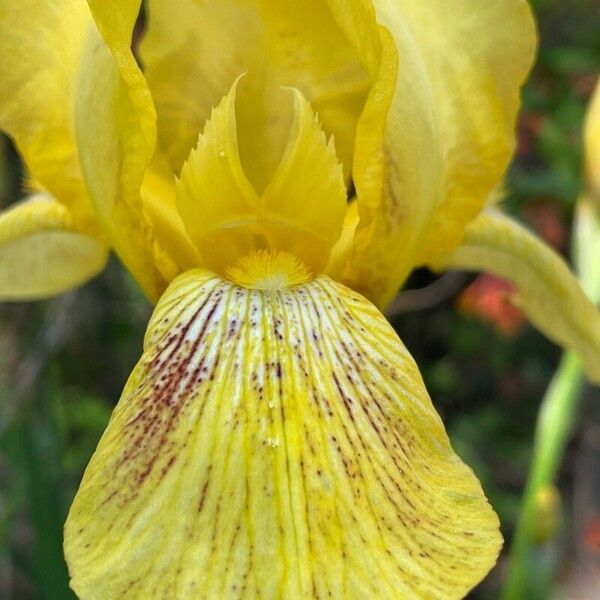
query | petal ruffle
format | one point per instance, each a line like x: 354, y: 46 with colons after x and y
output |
x: 42, y: 253
x: 115, y: 126
x: 276, y: 445
x: 195, y: 50
x: 547, y: 291
x: 300, y: 211
x: 41, y: 45
x: 449, y: 132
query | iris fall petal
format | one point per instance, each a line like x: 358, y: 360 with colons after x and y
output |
x: 276, y: 444
x: 42, y: 253
x: 547, y: 291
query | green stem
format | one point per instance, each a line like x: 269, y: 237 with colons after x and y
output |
x: 555, y: 422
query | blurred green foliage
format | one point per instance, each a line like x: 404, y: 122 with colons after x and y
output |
x: 63, y: 362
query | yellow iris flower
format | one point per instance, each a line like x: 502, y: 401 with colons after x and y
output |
x: 275, y: 438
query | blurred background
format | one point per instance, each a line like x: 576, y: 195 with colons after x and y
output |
x: 63, y: 362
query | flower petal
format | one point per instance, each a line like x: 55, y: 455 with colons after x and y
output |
x: 476, y: 89
x: 300, y: 211
x: 41, y: 45
x: 277, y: 445
x: 342, y: 248
x: 449, y: 132
x: 374, y: 264
x: 115, y: 136
x: 195, y: 50
x: 548, y: 292
x: 41, y: 251
x: 160, y: 204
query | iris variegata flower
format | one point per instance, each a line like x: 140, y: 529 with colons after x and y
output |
x: 270, y: 177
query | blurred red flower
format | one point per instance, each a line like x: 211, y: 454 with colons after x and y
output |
x: 489, y: 299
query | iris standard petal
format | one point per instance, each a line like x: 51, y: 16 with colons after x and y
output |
x: 478, y: 56
x: 376, y: 262
x: 300, y: 211
x: 449, y: 132
x: 42, y: 253
x: 276, y: 444
x: 115, y: 123
x: 193, y: 52
x: 41, y: 45
x: 547, y: 291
